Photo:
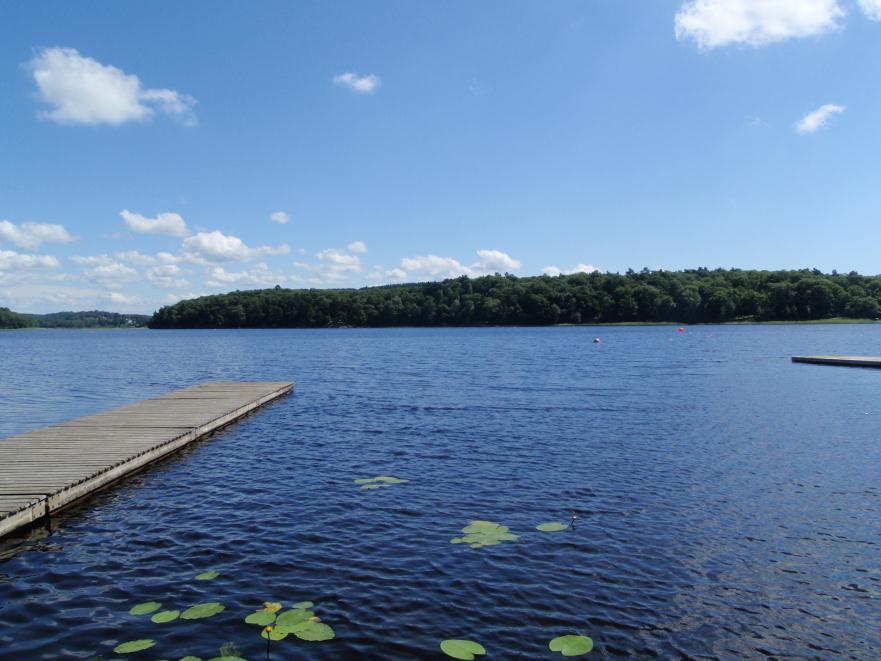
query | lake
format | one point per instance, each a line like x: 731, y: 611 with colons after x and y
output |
x: 728, y: 501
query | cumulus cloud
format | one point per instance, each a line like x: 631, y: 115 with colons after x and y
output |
x: 280, y: 217
x: 167, y: 276
x: 14, y: 261
x: 31, y: 236
x: 117, y: 297
x: 357, y: 247
x: 80, y: 90
x: 360, y: 84
x: 447, y: 267
x: 496, y: 260
x: 814, y: 121
x: 111, y: 274
x: 260, y: 276
x: 871, y: 8
x: 391, y: 275
x: 218, y: 247
x: 169, y: 224
x: 554, y: 271
x: 715, y: 23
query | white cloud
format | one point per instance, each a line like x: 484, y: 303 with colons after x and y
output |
x: 31, y: 236
x: 169, y: 224
x: 434, y: 266
x: 91, y: 260
x: 871, y: 8
x: 14, y: 261
x: 391, y: 275
x: 218, y: 247
x: 357, y: 247
x: 447, y: 267
x: 280, y: 217
x: 116, y: 297
x: 496, y: 260
x: 260, y: 275
x: 80, y: 90
x: 814, y: 121
x: 334, y: 265
x: 167, y: 276
x: 360, y: 84
x: 554, y: 271
x: 111, y: 274
x: 135, y: 257
x: 714, y: 23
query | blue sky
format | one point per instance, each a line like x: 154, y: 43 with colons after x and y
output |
x: 145, y: 147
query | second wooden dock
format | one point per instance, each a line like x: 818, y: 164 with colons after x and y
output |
x: 46, y: 469
x: 844, y: 361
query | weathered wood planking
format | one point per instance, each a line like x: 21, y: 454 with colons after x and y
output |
x: 845, y: 361
x: 46, y: 469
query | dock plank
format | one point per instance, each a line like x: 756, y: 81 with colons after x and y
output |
x: 44, y: 470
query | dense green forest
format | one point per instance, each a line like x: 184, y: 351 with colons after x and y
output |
x: 86, y: 319
x: 692, y: 296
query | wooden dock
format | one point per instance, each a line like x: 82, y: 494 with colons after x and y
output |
x: 47, y: 469
x: 846, y: 361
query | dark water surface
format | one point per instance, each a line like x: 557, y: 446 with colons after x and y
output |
x: 729, y: 501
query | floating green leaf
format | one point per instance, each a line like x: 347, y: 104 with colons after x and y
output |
x: 134, y: 646
x: 303, y: 605
x: 294, y: 616
x: 272, y: 606
x: 462, y: 649
x: 368, y: 487
x: 200, y: 611
x: 571, y: 645
x: 165, y: 616
x: 484, y: 533
x: 146, y: 607
x: 191, y: 658
x: 552, y: 526
x: 207, y: 576
x: 315, y: 632
x: 261, y: 617
x: 275, y: 633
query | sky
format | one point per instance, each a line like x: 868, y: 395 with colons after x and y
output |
x: 154, y: 151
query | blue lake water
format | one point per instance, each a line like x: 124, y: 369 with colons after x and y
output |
x: 729, y: 501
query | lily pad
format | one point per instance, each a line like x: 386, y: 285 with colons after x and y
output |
x: 191, y: 658
x: 294, y: 616
x: 272, y: 606
x: 134, y: 646
x: 207, y: 576
x: 375, y: 485
x: 200, y: 611
x: 146, y: 607
x: 552, y: 526
x: 315, y: 632
x: 261, y: 617
x: 571, y: 645
x: 275, y: 633
x: 484, y: 533
x: 302, y: 605
x: 462, y: 649
x: 165, y: 616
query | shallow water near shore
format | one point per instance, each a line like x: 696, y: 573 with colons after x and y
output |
x: 728, y: 501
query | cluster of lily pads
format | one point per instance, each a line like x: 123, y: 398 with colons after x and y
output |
x: 298, y: 620
x: 378, y: 482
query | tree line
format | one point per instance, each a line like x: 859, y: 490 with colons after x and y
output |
x: 85, y: 319
x: 691, y: 296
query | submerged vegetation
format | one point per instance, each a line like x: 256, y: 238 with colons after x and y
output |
x: 692, y: 296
